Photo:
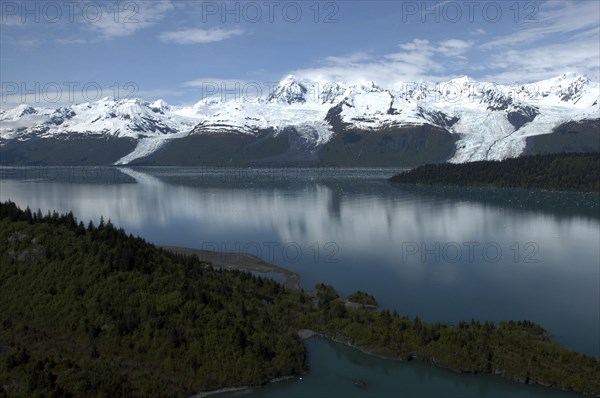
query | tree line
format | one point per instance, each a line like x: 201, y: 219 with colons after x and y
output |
x: 560, y: 172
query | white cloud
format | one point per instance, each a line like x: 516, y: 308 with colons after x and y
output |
x: 343, y: 60
x: 416, y: 44
x: 564, y: 40
x: 477, y: 32
x: 197, y: 36
x: 537, y: 63
x: 418, y: 60
x: 555, y: 18
x: 132, y: 16
x: 454, y: 47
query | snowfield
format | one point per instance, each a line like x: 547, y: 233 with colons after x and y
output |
x: 491, y: 121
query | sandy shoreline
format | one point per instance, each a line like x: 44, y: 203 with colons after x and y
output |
x: 205, y: 394
x: 221, y: 391
x: 240, y: 261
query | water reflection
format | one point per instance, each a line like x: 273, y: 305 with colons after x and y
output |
x: 442, y: 253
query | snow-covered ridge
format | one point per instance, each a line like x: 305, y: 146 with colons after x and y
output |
x: 128, y: 118
x: 492, y: 121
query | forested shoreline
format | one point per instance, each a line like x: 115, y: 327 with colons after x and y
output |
x: 88, y: 310
x: 558, y: 172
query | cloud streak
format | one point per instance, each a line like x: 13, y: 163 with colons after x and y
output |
x: 517, y: 65
x: 564, y: 39
x: 555, y: 18
x: 131, y: 17
x: 417, y: 60
x: 199, y: 36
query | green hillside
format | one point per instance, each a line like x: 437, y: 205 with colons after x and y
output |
x: 560, y: 172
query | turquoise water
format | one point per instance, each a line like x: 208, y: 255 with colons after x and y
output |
x: 340, y: 371
x: 444, y: 254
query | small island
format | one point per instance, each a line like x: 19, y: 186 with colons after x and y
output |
x: 556, y: 172
x: 92, y: 311
x: 363, y: 299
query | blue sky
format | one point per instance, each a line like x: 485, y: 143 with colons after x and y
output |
x: 174, y: 49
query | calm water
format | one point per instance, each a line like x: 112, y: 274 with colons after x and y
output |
x: 340, y: 371
x: 444, y: 254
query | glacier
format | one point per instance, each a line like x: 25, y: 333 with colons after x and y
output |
x: 490, y: 121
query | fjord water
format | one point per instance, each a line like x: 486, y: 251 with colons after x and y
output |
x: 340, y: 371
x: 444, y: 254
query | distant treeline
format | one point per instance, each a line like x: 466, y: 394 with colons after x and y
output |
x: 559, y: 172
x: 89, y: 311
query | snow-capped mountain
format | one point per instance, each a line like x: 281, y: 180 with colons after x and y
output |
x: 484, y: 120
x: 132, y: 118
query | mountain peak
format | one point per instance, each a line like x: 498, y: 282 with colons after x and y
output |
x: 461, y: 81
x: 571, y: 76
x: 289, y: 79
x: 290, y: 90
x: 208, y: 101
x: 316, y: 108
x: 160, y: 102
x: 565, y: 79
x: 160, y: 106
x: 106, y: 100
x: 366, y: 86
x: 25, y: 108
x: 19, y: 111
